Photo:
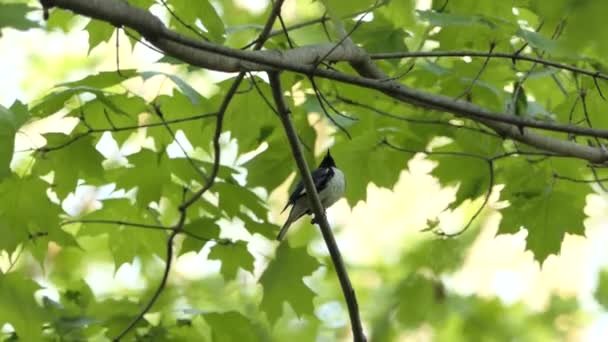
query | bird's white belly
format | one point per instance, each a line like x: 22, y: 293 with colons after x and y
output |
x: 334, y: 190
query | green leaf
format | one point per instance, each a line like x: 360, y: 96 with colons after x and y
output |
x: 263, y: 228
x: 283, y: 282
x: 102, y: 79
x: 25, y: 209
x: 233, y: 256
x: 179, y: 106
x: 360, y: 159
x: 343, y: 8
x: 233, y: 196
x: 145, y: 4
x: 212, y: 21
x: 204, y: 12
x: 439, y: 255
x: 277, y: 159
x: 99, y: 32
x: 205, y: 228
x: 471, y: 174
x: 248, y: 115
x: 76, y: 159
x: 55, y: 101
x: 538, y: 41
x: 467, y: 167
x: 15, y: 16
x: 400, y: 13
x: 125, y: 242
x: 111, y: 314
x: 367, y: 33
x: 424, y: 301
x: 519, y: 102
x: 547, y: 208
x: 194, y: 96
x: 232, y: 326
x: 61, y: 20
x: 19, y: 308
x: 447, y: 19
x: 149, y: 185
x: 11, y: 119
x: 601, y: 292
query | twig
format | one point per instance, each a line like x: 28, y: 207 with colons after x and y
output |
x: 311, y: 22
x: 118, y: 223
x: 468, y: 90
x: 118, y: 54
x: 181, y: 21
x: 415, y: 120
x: 320, y: 98
x: 583, y: 97
x: 172, y: 134
x: 577, y: 180
x: 159, y: 289
x: 317, y: 208
x: 474, y: 54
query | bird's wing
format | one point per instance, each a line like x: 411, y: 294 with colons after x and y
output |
x: 320, y: 177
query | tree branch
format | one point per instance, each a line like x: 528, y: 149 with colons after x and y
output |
x: 301, y: 60
x: 183, y: 208
x: 502, y: 55
x: 159, y: 289
x: 317, y: 208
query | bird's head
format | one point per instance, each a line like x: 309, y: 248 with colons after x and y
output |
x: 327, y: 161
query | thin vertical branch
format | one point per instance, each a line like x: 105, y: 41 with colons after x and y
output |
x: 187, y: 202
x: 317, y: 208
x: 224, y: 106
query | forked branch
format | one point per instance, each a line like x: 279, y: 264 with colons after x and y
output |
x: 317, y: 208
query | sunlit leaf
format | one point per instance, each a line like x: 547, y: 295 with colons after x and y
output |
x: 282, y: 282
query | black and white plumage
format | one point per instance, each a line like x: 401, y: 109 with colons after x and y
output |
x: 329, y: 182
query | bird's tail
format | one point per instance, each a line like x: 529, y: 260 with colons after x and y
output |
x: 283, y: 230
x: 298, y: 210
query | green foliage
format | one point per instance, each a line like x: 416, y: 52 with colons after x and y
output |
x: 601, y: 292
x: 10, y: 121
x: 123, y: 205
x: 14, y: 16
x: 282, y: 282
x: 204, y: 12
x: 26, y: 211
x: 19, y: 308
x: 99, y: 32
x: 233, y: 257
x: 67, y: 171
x: 232, y: 326
x: 542, y: 204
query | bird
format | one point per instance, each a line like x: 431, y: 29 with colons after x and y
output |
x: 330, y: 184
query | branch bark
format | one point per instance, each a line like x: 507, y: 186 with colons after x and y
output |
x: 317, y: 207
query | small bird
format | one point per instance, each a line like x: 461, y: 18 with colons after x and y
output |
x: 329, y: 182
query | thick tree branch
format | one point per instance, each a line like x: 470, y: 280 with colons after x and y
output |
x: 301, y: 60
x: 317, y: 207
